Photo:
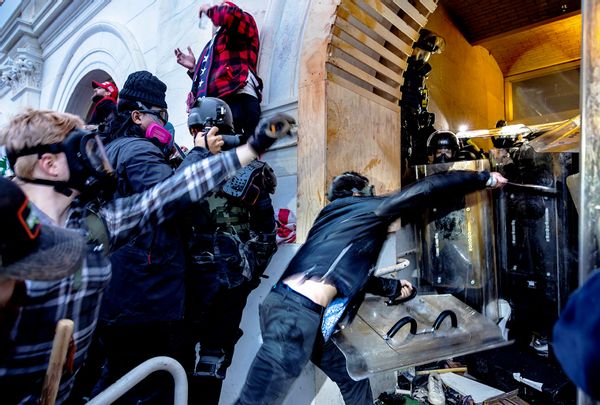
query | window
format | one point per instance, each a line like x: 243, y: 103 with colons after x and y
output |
x: 545, y: 95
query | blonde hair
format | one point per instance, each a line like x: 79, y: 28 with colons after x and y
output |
x: 35, y: 127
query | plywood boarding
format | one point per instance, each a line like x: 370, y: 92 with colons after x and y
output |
x: 353, y: 58
x: 312, y: 117
x: 389, y: 28
x: 367, y: 141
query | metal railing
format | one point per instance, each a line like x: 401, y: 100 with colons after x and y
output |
x: 142, y: 371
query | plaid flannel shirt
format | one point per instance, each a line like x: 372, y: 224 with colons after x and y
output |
x: 78, y: 297
x: 235, y: 51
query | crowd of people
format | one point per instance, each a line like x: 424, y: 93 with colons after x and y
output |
x: 152, y: 250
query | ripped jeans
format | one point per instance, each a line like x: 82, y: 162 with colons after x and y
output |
x: 290, y: 326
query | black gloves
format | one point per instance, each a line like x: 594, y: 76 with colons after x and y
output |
x: 269, y: 130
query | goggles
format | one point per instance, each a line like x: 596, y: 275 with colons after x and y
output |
x: 367, y: 191
x: 162, y: 114
x: 86, y: 157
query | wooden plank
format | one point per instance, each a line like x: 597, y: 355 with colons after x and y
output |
x: 366, y: 59
x: 332, y: 77
x: 367, y: 142
x: 369, y: 42
x: 389, y: 15
x: 312, y: 113
x: 312, y: 155
x: 430, y: 5
x: 347, y: 9
x: 411, y: 11
x: 315, y: 42
x: 362, y: 75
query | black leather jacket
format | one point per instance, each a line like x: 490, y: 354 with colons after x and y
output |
x: 348, y: 234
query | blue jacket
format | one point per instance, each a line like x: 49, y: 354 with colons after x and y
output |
x: 576, y: 336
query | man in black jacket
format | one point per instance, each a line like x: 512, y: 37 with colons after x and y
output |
x: 143, y: 308
x: 332, y: 271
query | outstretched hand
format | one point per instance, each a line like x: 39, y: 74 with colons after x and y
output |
x: 186, y: 60
x: 498, y: 180
x: 269, y: 130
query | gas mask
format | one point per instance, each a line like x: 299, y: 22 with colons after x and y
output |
x: 89, y: 167
x: 444, y: 157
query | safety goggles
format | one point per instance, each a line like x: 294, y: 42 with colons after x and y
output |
x: 84, y: 148
x: 162, y: 114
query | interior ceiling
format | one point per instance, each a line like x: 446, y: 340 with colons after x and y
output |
x: 482, y: 19
x: 511, y: 28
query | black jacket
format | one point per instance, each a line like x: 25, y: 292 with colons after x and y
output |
x: 344, y: 242
x: 148, y: 273
x: 103, y: 111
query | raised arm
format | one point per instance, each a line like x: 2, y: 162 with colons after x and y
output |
x: 137, y: 214
x: 231, y: 17
x: 432, y: 190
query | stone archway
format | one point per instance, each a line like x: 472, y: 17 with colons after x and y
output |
x: 105, y: 48
x: 80, y: 102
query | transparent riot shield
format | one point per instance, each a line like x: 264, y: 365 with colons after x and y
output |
x: 425, y: 329
x: 456, y: 310
x: 458, y: 255
x: 535, y: 247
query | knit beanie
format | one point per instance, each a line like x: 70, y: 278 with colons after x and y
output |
x: 143, y: 86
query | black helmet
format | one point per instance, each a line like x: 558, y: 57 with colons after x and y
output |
x: 442, y: 140
x: 211, y: 112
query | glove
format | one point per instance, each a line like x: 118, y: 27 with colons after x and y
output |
x: 269, y: 180
x: 269, y: 130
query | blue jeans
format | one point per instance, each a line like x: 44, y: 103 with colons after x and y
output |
x: 290, y: 326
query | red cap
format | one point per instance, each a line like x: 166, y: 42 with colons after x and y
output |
x: 108, y: 86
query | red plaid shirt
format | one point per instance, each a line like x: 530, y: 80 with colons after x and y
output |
x: 235, y: 50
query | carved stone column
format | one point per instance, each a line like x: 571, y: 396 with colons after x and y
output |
x: 22, y: 74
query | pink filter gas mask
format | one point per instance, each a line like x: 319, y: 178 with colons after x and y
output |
x: 158, y: 132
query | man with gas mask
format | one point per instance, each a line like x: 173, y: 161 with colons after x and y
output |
x: 61, y: 168
x: 231, y: 240
x: 442, y: 146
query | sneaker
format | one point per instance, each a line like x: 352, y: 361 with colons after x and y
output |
x: 435, y: 387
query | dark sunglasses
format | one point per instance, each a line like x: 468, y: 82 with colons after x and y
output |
x: 162, y: 114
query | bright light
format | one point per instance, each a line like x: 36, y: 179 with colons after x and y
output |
x: 472, y: 134
x: 462, y: 128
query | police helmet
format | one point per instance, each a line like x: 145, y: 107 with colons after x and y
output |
x: 211, y: 112
x: 442, y: 140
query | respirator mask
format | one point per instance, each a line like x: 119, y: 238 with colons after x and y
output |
x: 157, y: 133
x: 89, y: 167
x: 445, y: 156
